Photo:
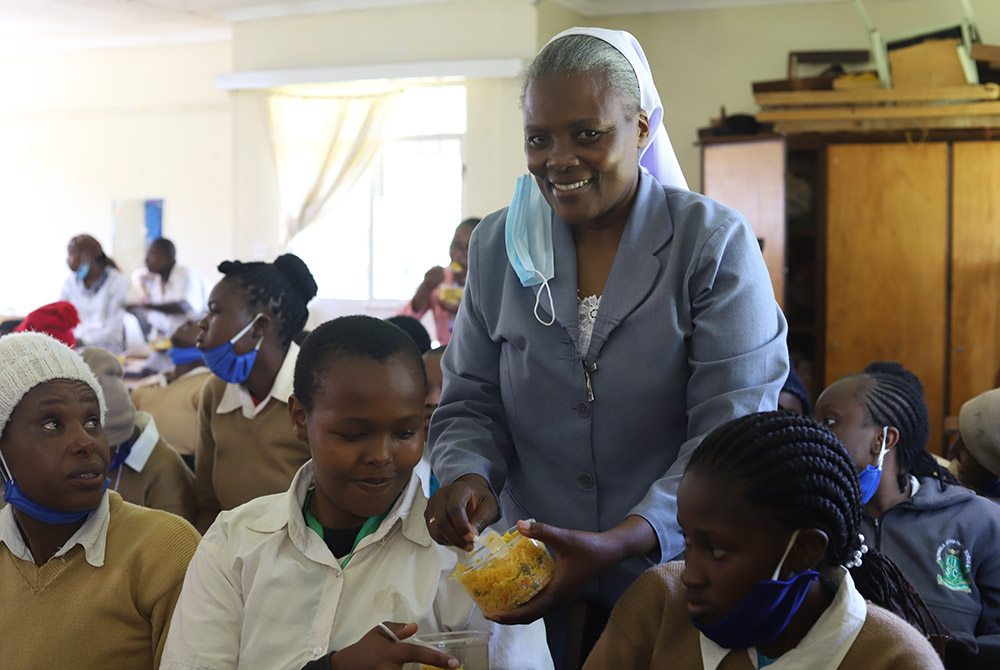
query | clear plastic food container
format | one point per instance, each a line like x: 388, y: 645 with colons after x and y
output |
x: 506, y: 571
x: 470, y: 647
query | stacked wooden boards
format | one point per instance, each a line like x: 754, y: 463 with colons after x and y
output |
x: 881, y: 109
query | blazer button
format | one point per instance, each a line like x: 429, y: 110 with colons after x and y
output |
x: 583, y: 409
x: 586, y: 481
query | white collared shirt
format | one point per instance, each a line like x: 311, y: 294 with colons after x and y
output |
x: 827, y: 642
x: 142, y: 448
x: 236, y: 396
x: 92, y: 535
x: 184, y: 286
x: 263, y: 591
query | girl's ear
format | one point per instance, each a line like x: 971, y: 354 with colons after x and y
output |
x: 260, y: 326
x: 891, y: 438
x: 297, y: 412
x: 808, y: 550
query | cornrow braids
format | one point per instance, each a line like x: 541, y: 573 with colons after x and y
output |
x: 798, y: 469
x: 895, y: 397
x: 284, y: 288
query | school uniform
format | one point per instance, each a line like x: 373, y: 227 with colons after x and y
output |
x: 264, y: 592
x: 244, y: 449
x: 104, y: 600
x: 154, y: 475
x: 944, y: 539
x: 687, y: 336
x: 650, y: 628
x: 174, y: 405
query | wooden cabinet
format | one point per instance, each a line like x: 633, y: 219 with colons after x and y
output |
x: 903, y: 243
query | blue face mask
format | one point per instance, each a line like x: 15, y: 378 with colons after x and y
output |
x: 183, y: 355
x: 763, y: 614
x: 528, y: 234
x: 82, y: 271
x: 870, y: 477
x: 15, y: 497
x: 229, y: 365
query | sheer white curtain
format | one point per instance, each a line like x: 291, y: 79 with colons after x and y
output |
x: 321, y: 146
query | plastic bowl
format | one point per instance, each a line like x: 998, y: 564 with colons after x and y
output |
x: 506, y: 579
x: 470, y: 647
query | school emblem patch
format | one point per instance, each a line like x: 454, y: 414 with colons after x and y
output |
x: 955, y: 562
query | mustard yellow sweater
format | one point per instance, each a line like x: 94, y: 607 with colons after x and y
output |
x: 69, y: 614
x: 650, y: 628
x: 238, y: 459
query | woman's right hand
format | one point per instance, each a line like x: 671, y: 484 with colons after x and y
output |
x: 456, y: 513
x: 375, y: 651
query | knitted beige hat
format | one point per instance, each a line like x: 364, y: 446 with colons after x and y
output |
x: 979, y: 426
x: 30, y: 359
x: 120, y: 420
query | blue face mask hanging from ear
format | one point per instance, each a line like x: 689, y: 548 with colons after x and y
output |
x: 528, y: 236
x: 870, y: 477
x: 16, y: 498
x: 82, y: 271
x: 229, y: 365
x: 183, y: 355
x: 763, y: 614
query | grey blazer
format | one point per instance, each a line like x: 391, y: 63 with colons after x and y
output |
x: 688, y: 335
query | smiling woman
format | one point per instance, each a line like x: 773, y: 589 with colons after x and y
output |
x: 613, y: 319
x: 71, y: 550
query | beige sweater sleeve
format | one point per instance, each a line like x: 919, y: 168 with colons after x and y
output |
x: 173, y: 489
x: 204, y: 459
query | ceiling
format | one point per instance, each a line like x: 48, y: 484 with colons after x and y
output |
x: 59, y: 25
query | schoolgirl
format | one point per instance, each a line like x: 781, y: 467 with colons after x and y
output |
x: 770, y: 509
x: 245, y: 447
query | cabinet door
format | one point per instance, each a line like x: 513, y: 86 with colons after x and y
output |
x: 887, y: 227
x: 975, y: 263
x: 750, y: 178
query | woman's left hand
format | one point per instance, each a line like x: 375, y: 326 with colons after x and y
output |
x: 581, y: 557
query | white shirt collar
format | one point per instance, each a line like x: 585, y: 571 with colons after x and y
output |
x: 142, y: 448
x: 827, y: 642
x: 312, y: 546
x: 236, y: 396
x: 92, y: 535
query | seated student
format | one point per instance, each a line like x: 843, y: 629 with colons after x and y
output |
x: 168, y: 293
x: 770, y: 509
x: 942, y: 536
x: 435, y: 380
x: 57, y: 319
x: 793, y: 396
x: 171, y: 397
x: 86, y: 580
x: 303, y: 579
x: 98, y: 291
x: 977, y: 448
x: 245, y: 446
x: 145, y: 470
x: 442, y: 288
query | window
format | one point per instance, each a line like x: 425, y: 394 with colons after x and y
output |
x: 375, y: 242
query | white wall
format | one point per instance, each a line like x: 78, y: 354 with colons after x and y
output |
x: 82, y: 129
x: 444, y: 31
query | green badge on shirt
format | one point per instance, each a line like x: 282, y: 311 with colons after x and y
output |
x: 955, y: 562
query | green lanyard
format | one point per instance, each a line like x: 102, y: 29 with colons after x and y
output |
x: 369, y: 527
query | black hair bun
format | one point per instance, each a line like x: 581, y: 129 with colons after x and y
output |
x: 296, y: 271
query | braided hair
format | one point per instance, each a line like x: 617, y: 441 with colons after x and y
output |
x: 799, y: 470
x: 895, y: 397
x: 283, y: 287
